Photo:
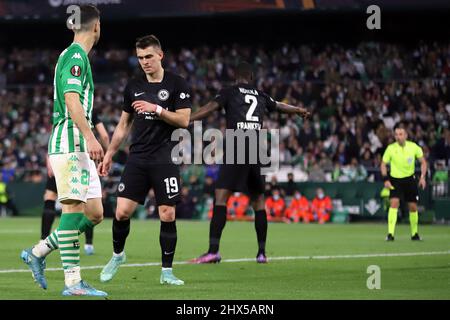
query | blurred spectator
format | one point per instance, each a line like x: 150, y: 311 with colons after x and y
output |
x: 275, y: 207
x: 186, y: 207
x: 237, y: 206
x: 299, y: 209
x: 291, y: 186
x: 316, y: 173
x: 440, y: 180
x: 321, y: 207
x: 353, y: 172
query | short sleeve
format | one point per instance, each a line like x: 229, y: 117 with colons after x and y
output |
x: 387, y: 155
x: 270, y: 102
x: 419, y: 152
x: 183, y: 95
x: 127, y: 100
x: 221, y: 98
x: 73, y: 72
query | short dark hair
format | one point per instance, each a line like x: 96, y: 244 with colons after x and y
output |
x: 88, y: 14
x: 244, y: 71
x: 148, y: 41
x: 400, y: 125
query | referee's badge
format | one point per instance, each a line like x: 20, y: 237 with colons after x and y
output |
x: 410, y: 160
x: 163, y: 94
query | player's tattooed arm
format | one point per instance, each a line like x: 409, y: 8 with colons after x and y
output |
x: 205, y: 111
x: 289, y: 109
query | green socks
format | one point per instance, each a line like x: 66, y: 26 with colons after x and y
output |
x: 68, y: 239
x: 84, y: 224
x: 392, y: 220
x: 414, y: 222
x: 52, y: 239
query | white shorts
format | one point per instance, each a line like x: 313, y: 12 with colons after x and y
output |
x: 76, y: 176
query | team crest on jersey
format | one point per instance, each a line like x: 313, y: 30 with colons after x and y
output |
x: 76, y: 71
x: 163, y: 94
x: 121, y: 187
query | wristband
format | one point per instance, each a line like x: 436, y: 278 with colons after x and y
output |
x: 158, y: 110
x: 385, y: 178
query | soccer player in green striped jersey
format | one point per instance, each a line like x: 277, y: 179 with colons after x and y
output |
x: 72, y: 150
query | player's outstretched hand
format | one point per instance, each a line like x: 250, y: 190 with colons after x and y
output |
x: 143, y: 106
x: 104, y: 166
x: 95, y: 150
x: 302, y: 112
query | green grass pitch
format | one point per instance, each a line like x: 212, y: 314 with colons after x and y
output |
x: 323, y: 262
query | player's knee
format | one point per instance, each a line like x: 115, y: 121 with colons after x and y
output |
x: 221, y: 198
x: 413, y: 207
x: 122, y: 214
x: 50, y: 195
x: 394, y: 203
x: 166, y: 213
x: 96, y: 217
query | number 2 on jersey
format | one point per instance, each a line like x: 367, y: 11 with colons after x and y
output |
x: 253, y: 103
x: 171, y: 185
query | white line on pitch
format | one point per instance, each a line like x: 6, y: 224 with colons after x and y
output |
x: 348, y: 256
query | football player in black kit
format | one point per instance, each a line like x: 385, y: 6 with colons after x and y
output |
x: 245, y: 107
x: 154, y: 106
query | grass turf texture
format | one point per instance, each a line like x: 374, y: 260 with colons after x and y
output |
x: 402, y: 277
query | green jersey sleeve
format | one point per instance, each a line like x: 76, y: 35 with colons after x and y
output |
x: 387, y: 155
x: 73, y: 72
x: 419, y: 152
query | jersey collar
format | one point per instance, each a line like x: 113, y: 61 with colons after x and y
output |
x: 77, y: 44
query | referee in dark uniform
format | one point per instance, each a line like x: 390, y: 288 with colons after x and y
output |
x: 402, y: 155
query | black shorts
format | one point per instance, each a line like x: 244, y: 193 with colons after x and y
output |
x: 405, y: 188
x: 138, y: 179
x: 246, y: 178
x: 51, y: 184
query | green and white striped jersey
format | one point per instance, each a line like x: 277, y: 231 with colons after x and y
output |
x: 72, y: 74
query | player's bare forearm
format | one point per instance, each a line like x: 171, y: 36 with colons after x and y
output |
x: 121, y: 132
x: 383, y: 169
x: 76, y: 112
x: 103, y: 134
x: 179, y: 118
x: 423, y: 168
x: 290, y: 109
x: 205, y: 111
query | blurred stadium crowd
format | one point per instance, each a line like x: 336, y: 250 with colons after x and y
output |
x: 356, y: 94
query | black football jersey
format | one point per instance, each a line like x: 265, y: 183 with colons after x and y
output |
x: 244, y: 106
x: 151, y: 137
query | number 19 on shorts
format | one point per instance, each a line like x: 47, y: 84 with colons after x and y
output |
x: 171, y: 185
